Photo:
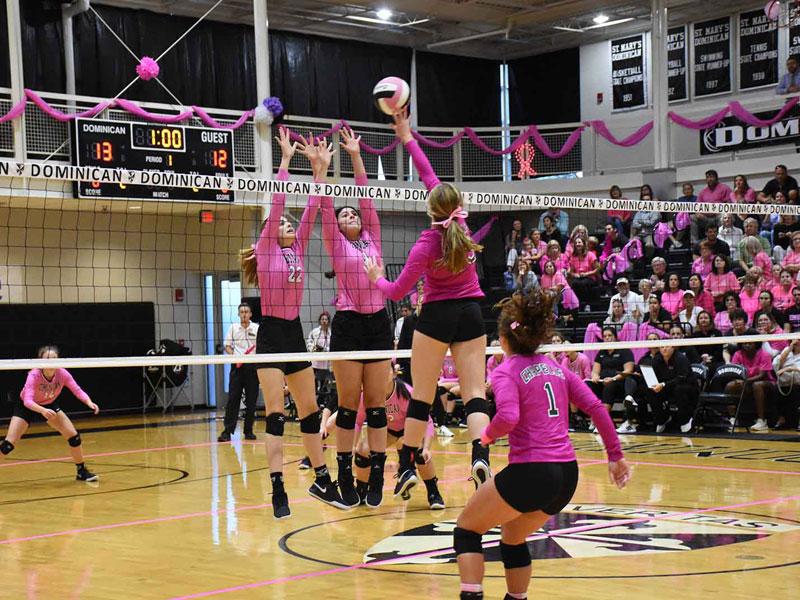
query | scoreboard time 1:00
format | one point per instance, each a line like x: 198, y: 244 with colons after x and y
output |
x: 152, y: 147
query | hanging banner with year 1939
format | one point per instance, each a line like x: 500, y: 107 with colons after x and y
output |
x: 676, y: 63
x: 627, y: 72
x: 712, y: 57
x: 758, y: 50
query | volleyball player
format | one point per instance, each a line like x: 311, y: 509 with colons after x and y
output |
x: 276, y: 265
x: 451, y: 316
x: 533, y: 394
x: 351, y: 236
x: 39, y: 400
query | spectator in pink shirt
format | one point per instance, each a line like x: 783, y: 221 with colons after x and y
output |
x: 702, y: 298
x: 791, y: 262
x: 748, y: 297
x: 673, y: 294
x: 742, y: 192
x: 583, y: 269
x: 703, y: 264
x: 724, y: 319
x: 721, y: 280
x: 782, y: 293
x: 713, y: 192
x: 760, y: 382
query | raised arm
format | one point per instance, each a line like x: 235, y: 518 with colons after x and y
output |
x: 271, y: 230
x: 369, y: 216
x: 483, y: 231
x: 320, y: 157
x: 402, y: 128
x: 415, y: 266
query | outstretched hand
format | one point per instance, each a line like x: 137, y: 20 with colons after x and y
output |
x: 320, y: 155
x: 350, y: 141
x: 374, y: 269
x: 288, y: 147
x: 402, y: 125
x: 308, y: 148
x: 619, y: 473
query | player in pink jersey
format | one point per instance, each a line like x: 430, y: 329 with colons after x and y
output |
x: 533, y: 394
x: 451, y: 315
x: 276, y: 265
x: 351, y: 236
x: 39, y: 400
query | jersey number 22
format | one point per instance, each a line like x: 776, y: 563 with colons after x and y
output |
x: 295, y: 274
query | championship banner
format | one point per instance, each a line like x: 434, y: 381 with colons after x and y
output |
x: 628, y: 72
x: 677, y: 83
x: 712, y: 57
x: 758, y: 50
x: 60, y: 174
x: 794, y: 39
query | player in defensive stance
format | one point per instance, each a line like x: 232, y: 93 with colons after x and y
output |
x: 39, y: 400
x: 532, y: 393
x: 276, y: 264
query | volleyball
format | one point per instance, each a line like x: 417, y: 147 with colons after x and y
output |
x: 391, y: 94
x: 773, y: 10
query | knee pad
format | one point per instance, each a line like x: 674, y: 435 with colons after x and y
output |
x: 75, y: 440
x: 275, y: 424
x: 376, y: 417
x: 452, y: 396
x: 465, y: 541
x: 362, y: 461
x: 311, y: 423
x: 440, y: 391
x: 475, y: 406
x: 418, y: 458
x: 515, y: 556
x: 419, y: 410
x: 346, y: 418
x: 6, y: 447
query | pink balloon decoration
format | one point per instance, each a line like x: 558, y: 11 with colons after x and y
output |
x: 147, y: 68
x: 773, y: 10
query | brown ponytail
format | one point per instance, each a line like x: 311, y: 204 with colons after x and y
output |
x: 247, y: 259
x: 456, y: 244
x: 526, y: 320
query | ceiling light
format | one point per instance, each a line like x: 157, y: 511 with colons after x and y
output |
x: 600, y: 19
x: 384, y: 14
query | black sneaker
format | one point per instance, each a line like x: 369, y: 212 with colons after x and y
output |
x: 249, y: 435
x: 329, y: 494
x: 305, y: 464
x: 374, y: 496
x: 350, y: 497
x: 481, y: 473
x: 375, y: 483
x: 435, y: 500
x: 224, y: 436
x: 405, y: 481
x: 280, y: 506
x: 86, y: 475
x: 361, y: 490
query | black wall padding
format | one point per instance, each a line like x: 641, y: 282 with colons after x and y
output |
x: 456, y: 91
x: 5, y: 72
x: 79, y: 330
x: 42, y: 46
x: 545, y: 88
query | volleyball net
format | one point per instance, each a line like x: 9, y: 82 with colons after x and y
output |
x: 108, y: 263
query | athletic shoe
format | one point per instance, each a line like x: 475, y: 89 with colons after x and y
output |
x: 328, y: 493
x: 686, y: 427
x: 480, y: 472
x: 759, y: 425
x: 463, y: 424
x: 224, y: 436
x: 732, y: 421
x: 663, y: 426
x: 350, y: 497
x: 592, y: 427
x: 444, y: 431
x: 86, y: 475
x: 249, y: 435
x: 305, y: 464
x: 626, y: 427
x: 280, y: 506
x: 631, y: 401
x: 405, y: 481
x: 435, y: 501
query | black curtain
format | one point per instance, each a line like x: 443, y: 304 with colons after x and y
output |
x: 5, y: 72
x: 331, y: 78
x: 545, y: 88
x: 457, y: 91
x: 42, y: 45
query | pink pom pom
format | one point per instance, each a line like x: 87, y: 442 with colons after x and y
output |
x: 147, y: 68
x: 773, y: 10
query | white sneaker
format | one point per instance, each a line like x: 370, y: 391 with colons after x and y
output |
x: 686, y: 427
x: 592, y: 427
x: 630, y: 400
x: 445, y: 432
x: 677, y: 244
x: 662, y: 427
x: 759, y: 425
x: 626, y: 427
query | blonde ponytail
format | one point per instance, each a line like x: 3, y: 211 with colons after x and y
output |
x: 456, y: 244
x: 247, y: 259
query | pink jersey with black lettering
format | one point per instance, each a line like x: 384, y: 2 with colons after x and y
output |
x: 440, y: 282
x: 354, y: 290
x: 396, y: 410
x: 42, y: 391
x: 533, y: 394
x: 281, y: 271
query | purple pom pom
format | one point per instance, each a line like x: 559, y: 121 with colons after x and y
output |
x: 274, y: 105
x: 147, y: 68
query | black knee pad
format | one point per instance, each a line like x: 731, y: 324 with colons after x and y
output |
x: 275, y: 424
x: 362, y: 461
x: 419, y: 410
x: 75, y: 440
x: 476, y: 405
x: 440, y: 391
x: 465, y: 541
x: 6, y: 447
x: 346, y: 418
x: 418, y: 458
x: 376, y: 417
x: 515, y: 556
x: 452, y: 396
x: 311, y: 423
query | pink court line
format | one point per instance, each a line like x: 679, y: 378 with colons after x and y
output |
x: 712, y: 468
x: 556, y: 532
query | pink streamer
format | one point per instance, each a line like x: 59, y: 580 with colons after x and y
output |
x: 632, y: 140
x: 439, y: 145
x: 707, y: 123
x: 61, y: 116
x: 138, y: 111
x: 745, y: 116
x: 211, y: 122
x: 15, y: 112
x: 544, y: 147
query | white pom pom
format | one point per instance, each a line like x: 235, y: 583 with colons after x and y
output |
x: 262, y: 115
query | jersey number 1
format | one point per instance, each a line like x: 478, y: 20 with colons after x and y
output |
x: 295, y: 274
x: 551, y: 399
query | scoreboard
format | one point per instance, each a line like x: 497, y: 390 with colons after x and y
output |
x: 152, y: 147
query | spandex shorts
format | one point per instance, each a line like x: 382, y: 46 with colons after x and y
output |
x: 279, y: 336
x: 29, y: 416
x: 356, y: 332
x: 451, y: 321
x: 545, y: 486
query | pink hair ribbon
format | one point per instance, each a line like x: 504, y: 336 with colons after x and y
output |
x: 458, y: 213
